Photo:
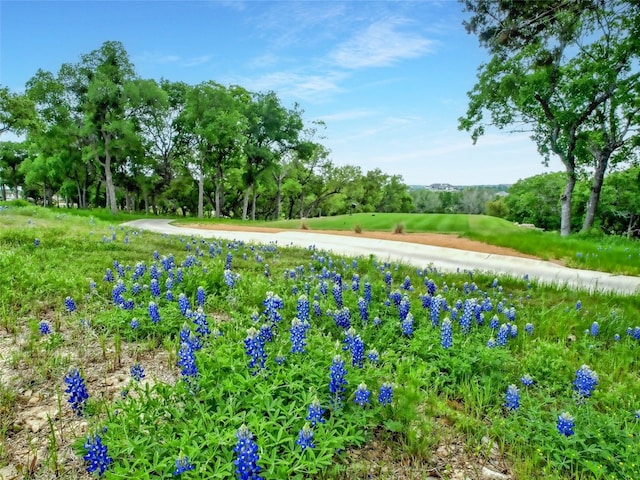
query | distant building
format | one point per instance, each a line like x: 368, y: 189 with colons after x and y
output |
x: 441, y: 187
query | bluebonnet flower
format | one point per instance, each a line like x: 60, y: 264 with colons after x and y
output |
x: 305, y: 437
x: 315, y: 412
x: 512, y: 398
x: 637, y: 415
x: 355, y: 282
x: 324, y: 288
x: 96, y: 455
x: 182, y: 465
x: 387, y: 279
x: 529, y: 328
x: 510, y: 313
x: 386, y: 394
x: 595, y: 329
x: 254, y: 347
x: 377, y: 322
x: 137, y: 372
x: 336, y: 377
x: 406, y: 284
x: 565, y: 424
x: 526, y: 380
x: 407, y: 325
x: 395, y: 297
x: 467, y: 313
x: 317, y: 311
x: 267, y: 271
x: 273, y: 303
x: 349, y: 335
x: 135, y: 288
x: 134, y: 323
x: 44, y: 327
x: 578, y: 305
x: 77, y: 390
x: 183, y: 303
x: 298, y: 332
x: 342, y: 317
x: 503, y: 332
x: 154, y: 288
x: 303, y: 308
x: 280, y: 359
x: 362, y: 395
x: 491, y: 343
x: 446, y: 337
x: 373, y: 355
x: 403, y: 308
x: 118, y: 268
x: 179, y: 275
x: 363, y: 310
x: 434, y: 310
x: 70, y: 304
x: 36, y: 242
x: 494, y: 324
x: 585, y: 382
x: 367, y: 292
x: 200, y: 296
x: 200, y: 320
x: 513, y: 331
x: 357, y: 352
x: 337, y: 294
x: 228, y: 261
x: 187, y: 360
x: 616, y: 338
x: 153, y: 312
x: 169, y: 296
x: 246, y: 463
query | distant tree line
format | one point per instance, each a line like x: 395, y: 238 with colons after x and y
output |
x: 96, y: 134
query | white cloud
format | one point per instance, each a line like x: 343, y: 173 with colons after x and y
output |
x: 380, y: 45
x: 346, y: 115
x: 310, y: 88
x: 196, y: 61
x: 158, y: 58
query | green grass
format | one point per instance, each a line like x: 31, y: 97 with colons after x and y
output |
x: 439, y: 393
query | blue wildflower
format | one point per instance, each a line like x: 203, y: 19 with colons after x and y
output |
x: 298, y: 332
x: 387, y: 279
x: 280, y: 359
x: 337, y: 295
x: 44, y: 327
x: 585, y: 382
x: 357, y: 352
x: 595, y: 329
x: 616, y: 338
x: 315, y: 412
x: 70, y: 304
x: 273, y: 303
x: 363, y: 310
x: 153, y: 312
x: 355, y: 282
x: 565, y: 424
x: 305, y: 438
x: 154, y: 288
x: 373, y: 355
x: 362, y: 395
x: 512, y: 398
x: 578, y: 305
x: 503, y: 332
x: 406, y: 284
x: 303, y: 308
x: 434, y: 310
x: 336, y: 377
x: 446, y: 338
x: 403, y: 308
x: 246, y: 463
x: 342, y: 317
x: 367, y: 292
x: 529, y: 328
x: 386, y: 394
x: 182, y: 465
x: 407, y: 325
x: 254, y: 347
x: 96, y: 455
x: 134, y: 323
x: 527, y: 380
x: 187, y: 360
x: 491, y: 343
x: 77, y: 391
x: 183, y: 303
x: 137, y: 372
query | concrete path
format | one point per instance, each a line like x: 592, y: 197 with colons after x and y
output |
x: 445, y: 259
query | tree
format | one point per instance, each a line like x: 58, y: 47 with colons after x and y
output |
x: 536, y: 200
x: 17, y: 112
x: 551, y: 71
x: 12, y: 154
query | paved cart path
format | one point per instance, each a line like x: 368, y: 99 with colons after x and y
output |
x: 445, y: 259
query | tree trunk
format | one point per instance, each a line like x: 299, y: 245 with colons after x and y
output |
x: 245, y: 202
x: 219, y: 191
x: 253, y: 204
x: 4, y: 193
x: 108, y: 177
x: 565, y: 203
x: 278, y: 196
x: 201, y: 193
x: 596, y: 187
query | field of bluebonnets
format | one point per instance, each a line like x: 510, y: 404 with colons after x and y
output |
x: 132, y: 355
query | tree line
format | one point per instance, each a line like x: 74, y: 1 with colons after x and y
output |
x: 96, y: 134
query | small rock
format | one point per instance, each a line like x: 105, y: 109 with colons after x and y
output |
x: 8, y: 473
x: 493, y: 475
x: 572, y: 338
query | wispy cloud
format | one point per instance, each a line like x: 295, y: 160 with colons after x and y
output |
x: 346, y: 115
x: 195, y: 61
x: 381, y: 44
x: 157, y: 58
x: 308, y: 87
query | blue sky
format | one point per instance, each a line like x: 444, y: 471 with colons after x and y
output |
x: 388, y: 78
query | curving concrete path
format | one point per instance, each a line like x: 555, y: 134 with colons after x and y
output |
x: 445, y: 259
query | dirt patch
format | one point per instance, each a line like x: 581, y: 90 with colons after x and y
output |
x: 435, y: 239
